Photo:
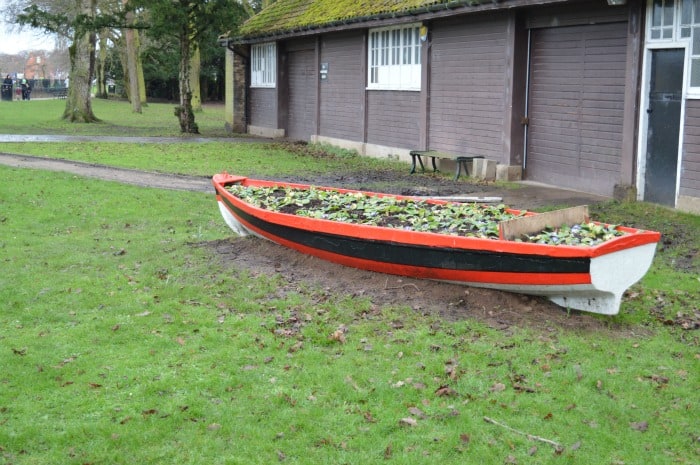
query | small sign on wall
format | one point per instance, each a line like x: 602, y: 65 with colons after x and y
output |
x: 324, y: 71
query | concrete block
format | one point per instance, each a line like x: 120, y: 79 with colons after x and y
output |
x: 688, y: 204
x: 485, y: 169
x: 262, y: 131
x: 624, y: 193
x: 509, y: 172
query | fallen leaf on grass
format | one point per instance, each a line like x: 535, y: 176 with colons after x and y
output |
x: 388, y: 452
x: 639, y: 425
x: 465, y: 438
x: 498, y: 387
x: 338, y: 336
x: 408, y: 421
x: 522, y: 388
x: 368, y: 417
x: 214, y: 427
x: 445, y: 391
x: 22, y: 351
x: 296, y: 347
x: 415, y: 411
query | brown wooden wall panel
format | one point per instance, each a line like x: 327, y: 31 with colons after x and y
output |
x: 690, y: 165
x: 342, y: 94
x: 263, y: 107
x: 576, y: 106
x: 591, y: 12
x: 467, y: 87
x: 297, y: 45
x: 393, y: 118
x: 301, y: 117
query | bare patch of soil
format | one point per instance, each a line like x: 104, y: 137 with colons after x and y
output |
x: 501, y: 310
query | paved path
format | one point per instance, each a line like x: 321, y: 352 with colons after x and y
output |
x: 111, y: 173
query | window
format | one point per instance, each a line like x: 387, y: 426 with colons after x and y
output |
x: 662, y: 20
x: 677, y: 22
x: 263, y: 68
x: 394, y: 58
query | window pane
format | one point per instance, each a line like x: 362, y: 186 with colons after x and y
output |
x: 695, y: 50
x: 668, y: 13
x: 695, y: 72
x: 655, y: 34
x: 396, y: 46
x: 696, y: 9
x: 668, y: 33
x: 685, y: 32
x: 407, y: 46
x: 656, y: 15
x: 686, y: 11
x: 385, y: 48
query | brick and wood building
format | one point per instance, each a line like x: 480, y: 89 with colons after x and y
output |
x: 593, y: 95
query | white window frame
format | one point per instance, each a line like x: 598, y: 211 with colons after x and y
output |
x: 676, y: 23
x: 394, y: 58
x: 263, y: 65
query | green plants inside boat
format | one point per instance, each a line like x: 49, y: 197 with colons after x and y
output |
x: 452, y: 218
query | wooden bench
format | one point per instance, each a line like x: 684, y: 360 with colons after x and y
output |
x: 58, y: 92
x: 460, y: 160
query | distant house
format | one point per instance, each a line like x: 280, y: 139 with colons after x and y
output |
x: 594, y: 95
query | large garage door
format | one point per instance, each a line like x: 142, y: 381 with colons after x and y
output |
x: 576, y: 106
x: 302, y: 97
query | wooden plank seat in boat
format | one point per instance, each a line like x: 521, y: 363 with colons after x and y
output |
x: 460, y: 160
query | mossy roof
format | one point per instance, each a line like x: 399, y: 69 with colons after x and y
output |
x: 286, y: 16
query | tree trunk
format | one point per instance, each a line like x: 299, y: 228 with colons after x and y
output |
x: 100, y: 68
x: 82, y: 57
x: 139, y: 69
x: 195, y: 84
x: 184, y: 111
x: 131, y: 58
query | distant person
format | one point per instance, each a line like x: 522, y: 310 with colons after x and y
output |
x: 26, y: 89
x: 7, y: 88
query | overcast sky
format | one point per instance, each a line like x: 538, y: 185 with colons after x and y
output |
x: 13, y: 42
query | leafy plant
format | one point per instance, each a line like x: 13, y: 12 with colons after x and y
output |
x: 458, y: 219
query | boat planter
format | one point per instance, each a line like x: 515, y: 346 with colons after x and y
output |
x: 589, y: 278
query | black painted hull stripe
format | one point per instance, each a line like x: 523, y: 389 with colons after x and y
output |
x: 415, y: 255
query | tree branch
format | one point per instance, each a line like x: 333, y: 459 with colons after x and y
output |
x: 558, y: 447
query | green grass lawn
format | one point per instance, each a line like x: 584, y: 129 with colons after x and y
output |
x: 123, y: 340
x: 117, y: 119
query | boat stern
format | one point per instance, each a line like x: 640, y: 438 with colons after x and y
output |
x: 611, y: 275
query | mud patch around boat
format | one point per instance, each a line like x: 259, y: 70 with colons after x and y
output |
x: 498, y: 309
